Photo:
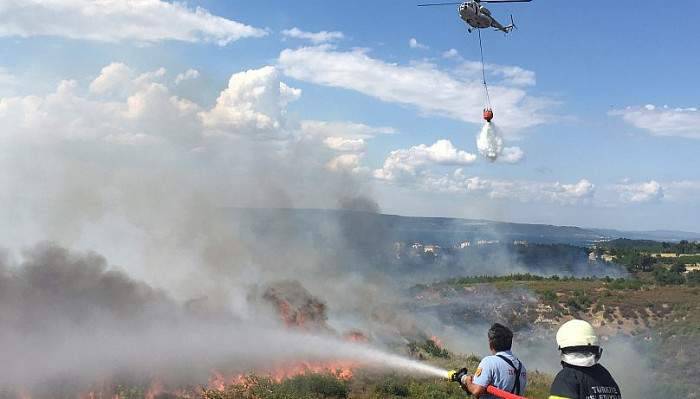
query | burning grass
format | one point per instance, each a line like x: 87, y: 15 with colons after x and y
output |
x: 306, y: 386
x: 364, y: 385
x: 330, y: 380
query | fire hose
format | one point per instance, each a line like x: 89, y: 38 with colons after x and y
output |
x: 457, y: 375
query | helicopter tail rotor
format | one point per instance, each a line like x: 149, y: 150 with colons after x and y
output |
x: 510, y: 27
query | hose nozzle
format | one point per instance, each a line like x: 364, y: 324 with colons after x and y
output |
x: 457, y: 375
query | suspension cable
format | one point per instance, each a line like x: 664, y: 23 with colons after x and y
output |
x: 483, y: 71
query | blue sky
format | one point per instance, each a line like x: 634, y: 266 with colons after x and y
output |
x: 599, y: 98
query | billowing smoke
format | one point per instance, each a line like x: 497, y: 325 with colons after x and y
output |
x: 69, y: 320
x: 489, y: 142
x: 189, y: 203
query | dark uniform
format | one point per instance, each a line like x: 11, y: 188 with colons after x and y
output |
x: 594, y: 382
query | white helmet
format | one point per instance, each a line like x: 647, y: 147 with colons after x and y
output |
x: 576, y: 333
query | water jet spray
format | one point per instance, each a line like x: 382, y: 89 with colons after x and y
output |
x: 379, y: 358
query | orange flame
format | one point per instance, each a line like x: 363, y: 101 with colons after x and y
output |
x: 219, y: 381
x: 438, y: 342
x: 356, y: 336
x: 340, y: 370
x: 155, y: 389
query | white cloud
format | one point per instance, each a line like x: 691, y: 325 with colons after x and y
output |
x: 345, y: 144
x: 112, y: 76
x: 414, y: 43
x: 145, y: 111
x: 514, y: 75
x: 189, y: 74
x: 149, y: 109
x: 582, y: 190
x: 520, y: 190
x: 144, y: 21
x: 512, y: 155
x: 420, y: 85
x: 663, y: 121
x: 346, y: 163
x: 451, y: 54
x: 343, y: 129
x: 650, y: 191
x: 408, y: 163
x: 147, y: 77
x: 314, y: 37
x: 508, y: 75
x: 120, y: 79
x: 255, y: 100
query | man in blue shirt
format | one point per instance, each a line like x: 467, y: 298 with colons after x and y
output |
x: 502, y: 370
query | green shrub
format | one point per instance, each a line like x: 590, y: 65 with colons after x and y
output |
x: 549, y: 296
x: 693, y: 278
x: 667, y: 277
x: 318, y: 385
x: 391, y: 386
x: 433, y: 349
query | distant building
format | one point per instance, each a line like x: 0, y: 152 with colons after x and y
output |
x: 417, y: 245
x: 664, y: 255
x: 520, y: 243
x: 464, y: 244
x: 433, y: 249
x: 592, y: 257
x: 482, y: 243
x: 692, y: 268
x: 607, y: 258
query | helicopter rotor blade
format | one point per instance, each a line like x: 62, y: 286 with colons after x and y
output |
x: 438, y: 4
x: 477, y: 1
x: 504, y: 1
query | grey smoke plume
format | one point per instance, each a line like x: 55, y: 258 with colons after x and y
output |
x: 190, y: 205
x: 69, y: 316
x: 155, y: 182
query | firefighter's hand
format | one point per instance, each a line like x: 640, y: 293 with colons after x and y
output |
x: 465, y: 382
x: 457, y: 376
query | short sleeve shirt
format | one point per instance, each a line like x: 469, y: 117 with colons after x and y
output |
x: 495, y: 371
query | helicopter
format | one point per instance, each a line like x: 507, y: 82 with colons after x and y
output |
x: 478, y: 16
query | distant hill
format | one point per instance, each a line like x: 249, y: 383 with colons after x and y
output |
x: 654, y: 235
x: 437, y: 230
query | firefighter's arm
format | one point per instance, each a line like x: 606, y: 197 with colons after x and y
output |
x: 482, y: 378
x: 565, y: 386
x: 475, y: 389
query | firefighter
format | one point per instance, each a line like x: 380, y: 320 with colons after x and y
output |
x: 502, y: 370
x: 581, y: 376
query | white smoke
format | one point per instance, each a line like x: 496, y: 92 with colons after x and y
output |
x: 167, y: 189
x: 489, y: 142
